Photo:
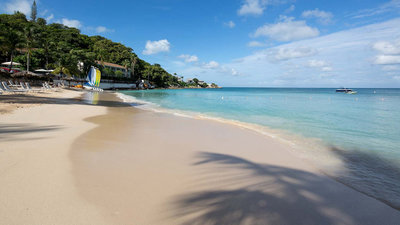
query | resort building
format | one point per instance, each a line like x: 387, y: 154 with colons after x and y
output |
x: 115, y: 67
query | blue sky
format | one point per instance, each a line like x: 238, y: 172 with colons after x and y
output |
x: 257, y: 43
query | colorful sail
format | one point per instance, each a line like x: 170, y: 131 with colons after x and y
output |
x: 98, y: 77
x: 93, y: 77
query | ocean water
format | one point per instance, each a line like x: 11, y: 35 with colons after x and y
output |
x: 361, y: 130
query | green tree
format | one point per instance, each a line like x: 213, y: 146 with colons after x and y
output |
x: 119, y: 73
x: 29, y: 39
x: 34, y: 11
x: 55, y: 46
x: 62, y: 70
x: 11, y: 33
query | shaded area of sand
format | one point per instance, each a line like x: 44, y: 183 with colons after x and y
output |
x: 141, y: 167
x: 36, y: 185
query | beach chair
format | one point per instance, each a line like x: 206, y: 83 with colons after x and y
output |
x: 50, y: 87
x: 29, y: 88
x: 22, y: 85
x: 45, y: 87
x: 7, y: 88
x: 13, y: 85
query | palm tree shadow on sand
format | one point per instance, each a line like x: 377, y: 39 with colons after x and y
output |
x: 266, y: 194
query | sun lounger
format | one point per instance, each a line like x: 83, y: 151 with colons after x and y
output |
x: 46, y: 85
x: 29, y: 88
x: 23, y: 86
x: 13, y: 85
x: 7, y: 88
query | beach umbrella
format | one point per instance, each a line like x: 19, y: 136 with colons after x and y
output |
x: 25, y: 74
x: 9, y: 63
x: 43, y: 71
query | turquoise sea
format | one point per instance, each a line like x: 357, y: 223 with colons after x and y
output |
x: 361, y: 130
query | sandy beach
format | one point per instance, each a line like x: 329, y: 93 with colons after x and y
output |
x: 75, y: 158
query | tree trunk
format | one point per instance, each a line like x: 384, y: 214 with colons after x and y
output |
x: 27, y: 62
x: 12, y: 57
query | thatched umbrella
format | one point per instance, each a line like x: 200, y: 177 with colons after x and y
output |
x: 25, y: 74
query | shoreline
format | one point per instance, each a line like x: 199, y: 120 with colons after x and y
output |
x: 338, y: 163
x: 133, y: 166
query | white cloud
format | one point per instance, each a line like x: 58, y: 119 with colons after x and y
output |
x: 102, y: 29
x: 189, y: 58
x: 393, y: 5
x: 211, y: 65
x: 389, y: 48
x: 322, y: 16
x: 50, y: 18
x: 389, y: 52
x: 387, y: 59
x: 23, y: 6
x: 317, y: 63
x: 234, y: 72
x: 256, y: 44
x: 282, y: 54
x: 287, y: 30
x: 252, y: 7
x: 71, y: 23
x: 349, y: 53
x: 290, y: 9
x: 326, y: 68
x: 154, y: 47
x: 320, y: 64
x: 230, y: 24
x: 391, y: 68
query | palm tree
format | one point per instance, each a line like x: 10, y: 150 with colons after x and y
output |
x: 12, y: 40
x: 62, y: 70
x: 126, y: 63
x: 133, y: 61
x: 29, y: 32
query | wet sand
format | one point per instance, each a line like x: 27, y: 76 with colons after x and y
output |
x: 100, y: 161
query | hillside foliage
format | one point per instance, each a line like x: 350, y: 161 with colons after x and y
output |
x: 36, y: 44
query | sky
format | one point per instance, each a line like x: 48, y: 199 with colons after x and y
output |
x: 247, y: 43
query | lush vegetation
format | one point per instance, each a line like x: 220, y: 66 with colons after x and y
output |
x: 36, y: 44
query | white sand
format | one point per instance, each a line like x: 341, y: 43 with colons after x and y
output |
x: 122, y: 165
x: 36, y: 185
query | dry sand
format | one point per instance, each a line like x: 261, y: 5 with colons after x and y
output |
x: 74, y: 163
x: 36, y: 184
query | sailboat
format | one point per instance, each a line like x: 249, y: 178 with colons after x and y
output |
x: 93, y: 80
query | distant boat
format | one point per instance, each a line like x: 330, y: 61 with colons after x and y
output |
x: 346, y: 90
x: 93, y: 80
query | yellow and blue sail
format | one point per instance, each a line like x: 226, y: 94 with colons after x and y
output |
x: 93, y: 77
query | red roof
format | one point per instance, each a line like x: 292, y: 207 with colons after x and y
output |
x: 110, y: 64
